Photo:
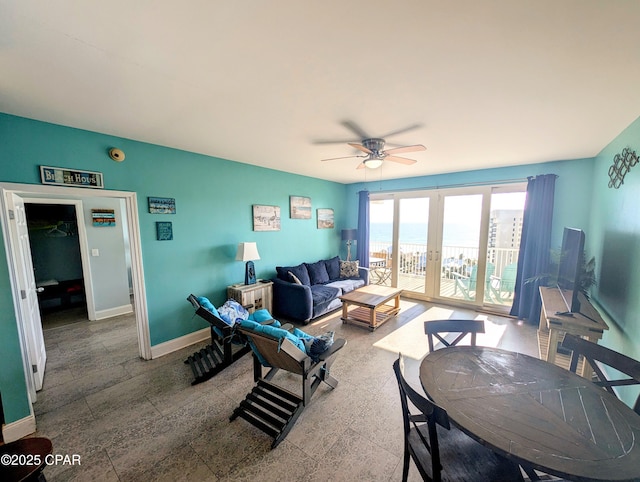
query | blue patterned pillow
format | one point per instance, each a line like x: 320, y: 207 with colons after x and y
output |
x: 232, y: 311
x: 316, y: 346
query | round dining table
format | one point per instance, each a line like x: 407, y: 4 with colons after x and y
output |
x: 535, y: 413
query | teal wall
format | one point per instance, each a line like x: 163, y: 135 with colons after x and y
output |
x: 214, y: 199
x: 213, y: 203
x: 615, y: 239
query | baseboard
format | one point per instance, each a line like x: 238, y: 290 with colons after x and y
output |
x: 179, y: 343
x: 18, y: 429
x: 111, y: 312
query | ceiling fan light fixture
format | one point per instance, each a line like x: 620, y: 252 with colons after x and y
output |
x: 372, y: 163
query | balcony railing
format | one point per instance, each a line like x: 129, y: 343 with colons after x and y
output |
x: 455, y: 261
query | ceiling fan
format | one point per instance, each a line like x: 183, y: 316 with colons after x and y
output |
x: 373, y: 148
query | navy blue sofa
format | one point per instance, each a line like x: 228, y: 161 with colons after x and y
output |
x: 309, y: 290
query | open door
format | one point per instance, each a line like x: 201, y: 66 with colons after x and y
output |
x: 26, y: 284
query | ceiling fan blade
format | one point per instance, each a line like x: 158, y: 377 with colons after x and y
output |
x: 336, y: 158
x: 402, y: 131
x: 356, y: 129
x: 330, y: 141
x: 399, y: 150
x: 401, y: 160
x: 361, y: 166
x: 360, y: 147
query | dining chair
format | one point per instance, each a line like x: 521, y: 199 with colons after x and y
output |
x: 462, y: 327
x: 440, y: 452
x: 600, y: 356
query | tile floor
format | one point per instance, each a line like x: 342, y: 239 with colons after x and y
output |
x: 136, y: 420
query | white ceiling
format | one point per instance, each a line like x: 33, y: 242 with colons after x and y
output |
x: 490, y: 83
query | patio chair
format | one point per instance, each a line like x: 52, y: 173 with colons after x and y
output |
x: 225, y: 348
x: 505, y: 283
x: 441, y: 452
x: 468, y: 284
x: 380, y: 270
x: 600, y: 357
x: 270, y: 407
x: 461, y: 327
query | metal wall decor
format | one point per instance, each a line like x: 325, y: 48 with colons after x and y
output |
x: 622, y: 163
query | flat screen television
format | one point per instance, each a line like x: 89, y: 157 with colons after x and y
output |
x: 570, y: 267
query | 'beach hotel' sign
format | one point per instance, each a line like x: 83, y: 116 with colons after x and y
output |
x: 71, y: 177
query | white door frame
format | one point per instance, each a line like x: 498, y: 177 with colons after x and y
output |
x: 31, y: 191
x: 84, y: 246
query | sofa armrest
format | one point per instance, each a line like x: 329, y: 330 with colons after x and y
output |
x: 364, y: 274
x: 292, y: 300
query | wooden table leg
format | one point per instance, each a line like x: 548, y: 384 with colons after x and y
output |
x: 552, y: 349
x: 345, y: 312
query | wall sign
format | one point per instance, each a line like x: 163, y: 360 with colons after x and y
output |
x: 70, y: 177
x: 164, y: 231
x: 103, y: 217
x: 162, y: 205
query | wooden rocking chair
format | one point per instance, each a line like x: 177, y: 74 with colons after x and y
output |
x: 225, y: 347
x: 268, y: 406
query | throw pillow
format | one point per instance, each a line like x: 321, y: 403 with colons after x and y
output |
x: 294, y: 278
x: 333, y: 268
x: 232, y: 311
x: 317, y: 272
x: 349, y: 269
x: 300, y: 271
x: 316, y: 346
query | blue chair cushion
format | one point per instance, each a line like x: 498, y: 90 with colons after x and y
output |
x: 206, y: 304
x: 276, y: 332
x: 263, y: 315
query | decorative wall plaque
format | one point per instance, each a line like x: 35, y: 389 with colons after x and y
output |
x: 622, y: 163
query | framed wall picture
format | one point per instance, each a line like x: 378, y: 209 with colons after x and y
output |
x: 325, y: 218
x: 266, y: 218
x: 164, y: 231
x: 103, y: 217
x: 299, y: 207
x: 162, y: 205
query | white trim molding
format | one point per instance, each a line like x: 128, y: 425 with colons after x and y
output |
x: 116, y: 311
x: 18, y: 429
x: 178, y: 343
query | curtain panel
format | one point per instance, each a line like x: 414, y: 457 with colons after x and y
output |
x: 534, y: 256
x: 363, y: 228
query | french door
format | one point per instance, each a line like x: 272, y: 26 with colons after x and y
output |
x: 450, y: 244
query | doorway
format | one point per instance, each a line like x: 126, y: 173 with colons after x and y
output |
x: 22, y: 277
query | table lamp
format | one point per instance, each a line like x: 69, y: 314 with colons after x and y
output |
x: 248, y: 252
x: 349, y: 235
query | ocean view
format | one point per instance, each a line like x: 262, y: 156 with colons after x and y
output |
x: 416, y: 233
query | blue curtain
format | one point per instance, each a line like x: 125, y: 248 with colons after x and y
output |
x: 363, y: 228
x: 535, y: 245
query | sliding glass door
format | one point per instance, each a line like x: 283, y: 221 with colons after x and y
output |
x: 457, y: 245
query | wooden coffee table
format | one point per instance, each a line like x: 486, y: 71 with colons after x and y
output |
x: 371, y: 309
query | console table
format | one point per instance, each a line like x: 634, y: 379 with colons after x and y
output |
x: 586, y: 324
x: 258, y: 295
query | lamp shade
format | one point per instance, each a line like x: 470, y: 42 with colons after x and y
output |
x: 349, y: 234
x: 372, y: 163
x: 247, y: 252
